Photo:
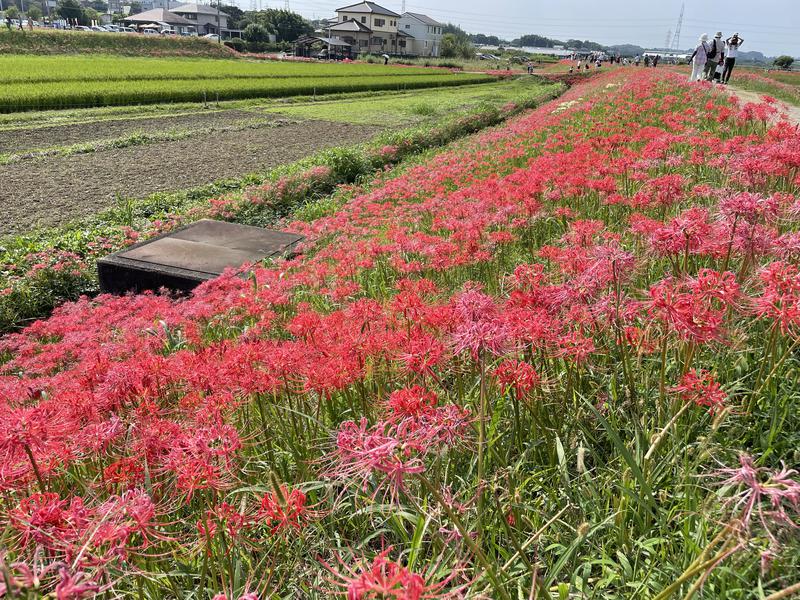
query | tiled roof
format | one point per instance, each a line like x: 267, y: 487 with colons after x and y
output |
x: 158, y: 15
x: 349, y: 25
x: 204, y: 9
x: 424, y: 18
x: 368, y: 7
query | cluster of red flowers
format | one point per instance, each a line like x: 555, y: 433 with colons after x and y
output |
x: 600, y: 226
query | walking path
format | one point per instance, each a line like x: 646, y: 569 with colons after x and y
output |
x: 746, y: 96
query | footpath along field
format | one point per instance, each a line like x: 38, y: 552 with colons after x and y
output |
x: 54, y: 82
x: 556, y: 360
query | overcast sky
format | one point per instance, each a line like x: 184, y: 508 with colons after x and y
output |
x: 769, y: 26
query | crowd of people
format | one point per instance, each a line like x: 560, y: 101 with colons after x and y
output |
x: 714, y: 60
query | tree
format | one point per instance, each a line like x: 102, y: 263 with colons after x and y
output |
x: 69, y: 10
x: 535, y: 41
x: 35, y: 13
x: 256, y: 36
x: 456, y: 30
x: 12, y: 12
x: 89, y: 15
x: 234, y: 13
x: 285, y: 24
x: 783, y: 62
x: 453, y: 46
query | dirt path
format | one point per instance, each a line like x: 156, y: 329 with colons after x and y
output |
x: 51, y: 191
x: 793, y: 112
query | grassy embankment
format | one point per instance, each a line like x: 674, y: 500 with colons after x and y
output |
x: 80, y: 42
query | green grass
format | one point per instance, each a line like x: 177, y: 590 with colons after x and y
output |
x: 402, y: 109
x: 80, y: 42
x: 71, y: 94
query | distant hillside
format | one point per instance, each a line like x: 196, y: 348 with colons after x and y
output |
x: 51, y: 41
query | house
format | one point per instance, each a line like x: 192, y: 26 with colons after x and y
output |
x: 162, y: 19
x: 425, y: 33
x: 204, y: 17
x: 368, y: 27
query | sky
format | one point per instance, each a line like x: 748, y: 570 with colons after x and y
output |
x: 768, y: 26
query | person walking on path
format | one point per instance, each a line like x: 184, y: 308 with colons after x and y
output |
x: 734, y: 42
x: 637, y: 59
x: 655, y: 60
x: 699, y: 58
x: 715, y: 55
x: 646, y: 60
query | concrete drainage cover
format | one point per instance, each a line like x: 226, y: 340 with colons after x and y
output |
x: 181, y: 260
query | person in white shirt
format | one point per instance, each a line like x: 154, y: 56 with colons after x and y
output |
x: 699, y: 58
x: 732, y: 51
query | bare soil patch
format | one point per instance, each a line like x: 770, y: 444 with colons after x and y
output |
x: 22, y: 140
x: 52, y: 191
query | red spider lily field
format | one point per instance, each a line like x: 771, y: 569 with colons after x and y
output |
x: 558, y: 359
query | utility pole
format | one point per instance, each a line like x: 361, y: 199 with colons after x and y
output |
x: 219, y: 30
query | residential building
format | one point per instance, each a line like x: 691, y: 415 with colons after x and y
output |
x: 161, y: 17
x: 368, y: 27
x: 204, y: 17
x: 425, y: 33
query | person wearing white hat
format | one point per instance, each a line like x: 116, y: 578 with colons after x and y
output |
x: 715, y: 56
x: 699, y: 58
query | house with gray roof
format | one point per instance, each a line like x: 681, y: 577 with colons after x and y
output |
x: 204, y: 17
x: 161, y: 18
x: 425, y: 33
x: 368, y: 27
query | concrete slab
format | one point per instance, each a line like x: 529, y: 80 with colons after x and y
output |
x: 181, y: 260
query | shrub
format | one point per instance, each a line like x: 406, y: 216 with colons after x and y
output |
x: 237, y: 44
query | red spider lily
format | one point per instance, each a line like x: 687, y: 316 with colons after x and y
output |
x: 283, y: 510
x: 73, y: 586
x: 763, y: 497
x: 380, y: 454
x: 520, y: 376
x: 701, y: 388
x: 383, y: 578
x: 413, y: 402
x: 89, y: 535
x: 780, y: 299
x: 478, y: 325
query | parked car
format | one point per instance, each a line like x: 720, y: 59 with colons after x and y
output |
x: 82, y: 28
x: 126, y: 30
x: 111, y: 28
x: 168, y: 32
x: 98, y: 29
x: 150, y: 31
x: 189, y: 33
x: 211, y: 36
